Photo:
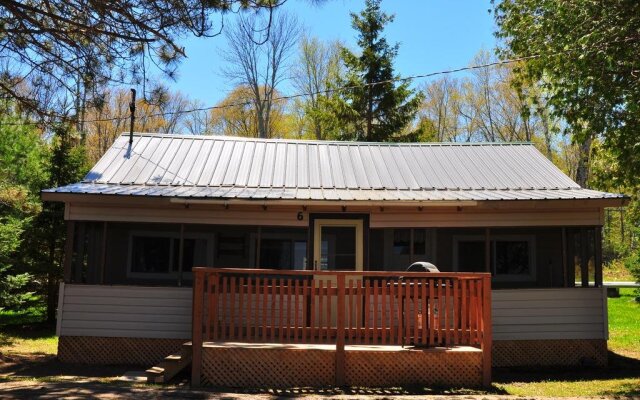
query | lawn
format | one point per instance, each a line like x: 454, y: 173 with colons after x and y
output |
x: 26, y: 333
x: 621, y: 378
x: 33, y: 344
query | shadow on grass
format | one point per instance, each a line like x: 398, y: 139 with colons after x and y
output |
x: 363, y: 391
x: 620, y: 367
x: 10, y: 332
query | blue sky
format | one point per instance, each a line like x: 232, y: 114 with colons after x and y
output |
x: 434, y: 35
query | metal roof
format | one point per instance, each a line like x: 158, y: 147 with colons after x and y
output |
x: 239, y: 168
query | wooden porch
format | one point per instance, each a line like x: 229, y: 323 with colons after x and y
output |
x: 300, y: 328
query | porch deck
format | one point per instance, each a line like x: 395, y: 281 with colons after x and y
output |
x: 320, y: 328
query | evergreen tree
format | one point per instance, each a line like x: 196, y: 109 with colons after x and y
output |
x: 375, y: 112
x: 23, y: 170
x: 43, y: 247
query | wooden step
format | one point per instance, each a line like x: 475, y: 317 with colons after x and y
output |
x: 170, y: 366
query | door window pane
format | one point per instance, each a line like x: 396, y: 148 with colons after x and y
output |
x: 338, y: 248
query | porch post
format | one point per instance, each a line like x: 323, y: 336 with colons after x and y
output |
x: 340, y: 356
x: 487, y: 334
x: 180, y: 254
x: 565, y: 274
x: 584, y: 261
x: 598, y: 257
x: 68, y: 251
x: 487, y: 249
x: 103, y: 255
x: 196, y: 327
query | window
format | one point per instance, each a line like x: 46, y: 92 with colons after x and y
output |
x: 283, y: 248
x: 512, y: 256
x: 513, y: 259
x: 401, y: 241
x: 157, y: 255
x: 151, y: 254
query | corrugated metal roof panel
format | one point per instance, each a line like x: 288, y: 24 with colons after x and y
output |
x: 229, y: 167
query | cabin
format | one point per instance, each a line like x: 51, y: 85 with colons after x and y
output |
x: 285, y: 261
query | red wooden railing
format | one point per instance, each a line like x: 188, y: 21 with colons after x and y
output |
x: 342, y: 307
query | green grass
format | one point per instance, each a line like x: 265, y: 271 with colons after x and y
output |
x: 624, y: 324
x: 621, y: 378
x: 25, y: 332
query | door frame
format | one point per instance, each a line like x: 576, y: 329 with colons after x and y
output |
x: 337, y: 216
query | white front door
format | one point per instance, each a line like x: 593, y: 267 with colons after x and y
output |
x: 338, y: 245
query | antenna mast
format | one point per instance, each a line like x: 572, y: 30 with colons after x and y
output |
x: 132, y: 109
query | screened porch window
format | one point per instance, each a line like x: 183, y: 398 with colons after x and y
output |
x: 512, y: 257
x: 159, y: 255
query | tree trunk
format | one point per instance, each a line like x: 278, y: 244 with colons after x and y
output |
x: 582, y: 169
x: 369, y: 114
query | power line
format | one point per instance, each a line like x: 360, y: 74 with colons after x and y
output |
x: 333, y: 90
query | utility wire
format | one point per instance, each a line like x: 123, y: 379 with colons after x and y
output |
x: 332, y: 90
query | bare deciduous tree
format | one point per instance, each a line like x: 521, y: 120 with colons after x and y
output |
x: 259, y: 61
x: 61, y: 48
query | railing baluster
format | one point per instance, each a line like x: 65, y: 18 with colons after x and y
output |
x: 472, y: 312
x: 432, y: 312
x: 241, y: 324
x: 400, y: 292
x: 296, y: 305
x: 374, y: 322
x: 416, y: 303
x: 392, y: 312
x: 281, y: 314
x: 367, y: 311
x: 423, y: 310
x: 456, y: 311
x: 479, y: 311
x: 214, y: 316
x: 463, y: 312
x: 232, y: 307
x: 224, y: 311
x: 407, y: 311
x: 359, y: 316
x: 274, y: 305
x: 329, y: 300
x: 447, y: 318
x: 250, y: 309
x: 289, y: 322
x: 265, y: 299
x: 313, y: 299
x: 384, y: 298
x: 306, y: 304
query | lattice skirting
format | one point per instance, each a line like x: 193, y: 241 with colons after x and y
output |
x: 566, y: 352
x: 429, y: 368
x: 281, y: 367
x: 115, y: 350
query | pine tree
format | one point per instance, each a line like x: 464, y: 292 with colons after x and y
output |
x: 382, y: 111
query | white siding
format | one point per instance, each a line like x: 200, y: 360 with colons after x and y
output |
x: 160, y: 312
x: 529, y: 314
x: 125, y: 311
